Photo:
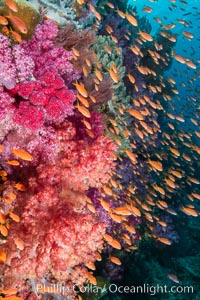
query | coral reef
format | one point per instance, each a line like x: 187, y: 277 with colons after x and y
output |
x: 91, y: 163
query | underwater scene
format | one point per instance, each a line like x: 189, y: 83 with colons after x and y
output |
x: 99, y: 149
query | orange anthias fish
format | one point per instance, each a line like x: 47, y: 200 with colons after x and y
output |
x: 91, y: 208
x: 18, y: 23
x: 13, y: 162
x: 147, y: 9
x: 2, y: 218
x: 131, y: 155
x: 107, y: 237
x: 189, y: 211
x: 111, y: 5
x: 81, y: 89
x: 9, y: 292
x: 19, y: 186
x: 3, y: 21
x: 164, y: 240
x: 2, y: 257
x: 113, y: 75
x: 80, y: 2
x: 98, y: 75
x: 92, y: 279
x: 96, y: 13
x: 136, y: 114
x: 131, y: 78
x: 83, y: 110
x: 5, y: 30
x: 115, y: 244
x: 156, y: 165
x: 1, y: 148
x: 12, y: 5
x: 14, y: 217
x: 136, y: 211
x: 145, y: 36
x: 131, y: 19
x: 16, y: 36
x: 3, y: 230
x: 115, y: 260
x: 121, y: 13
x: 83, y: 100
x: 122, y: 210
x: 22, y: 154
x: 91, y: 266
x: 188, y: 35
x: 87, y: 124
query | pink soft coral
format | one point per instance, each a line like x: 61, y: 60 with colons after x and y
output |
x: 40, y: 69
x: 40, y: 100
x: 42, y: 50
x: 6, y: 104
x: 47, y: 93
x: 15, y: 65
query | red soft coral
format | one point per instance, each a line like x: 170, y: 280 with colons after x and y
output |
x: 51, y: 98
x: 54, y: 229
x: 78, y: 164
x: 29, y: 116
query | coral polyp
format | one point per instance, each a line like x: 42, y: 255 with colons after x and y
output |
x: 94, y: 160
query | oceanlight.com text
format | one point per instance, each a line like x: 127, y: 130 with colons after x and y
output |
x: 113, y: 288
x: 150, y: 289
